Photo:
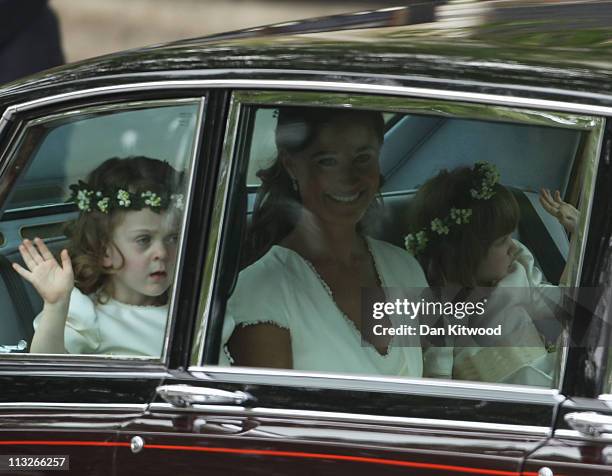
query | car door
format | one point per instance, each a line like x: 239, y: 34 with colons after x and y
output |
x: 71, y: 406
x: 582, y: 440
x: 209, y: 416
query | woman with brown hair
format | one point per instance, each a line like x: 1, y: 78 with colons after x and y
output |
x: 298, y: 304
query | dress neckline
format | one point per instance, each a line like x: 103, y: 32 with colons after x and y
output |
x: 135, y: 306
x: 330, y: 293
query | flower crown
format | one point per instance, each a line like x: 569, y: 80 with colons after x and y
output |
x: 88, y: 199
x: 486, y: 176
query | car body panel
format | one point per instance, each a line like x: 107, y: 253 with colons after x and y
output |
x: 78, y: 416
x: 487, y: 52
x: 308, y: 423
x: 287, y: 425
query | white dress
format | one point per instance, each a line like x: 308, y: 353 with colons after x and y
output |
x: 284, y: 289
x: 522, y: 303
x: 113, y: 328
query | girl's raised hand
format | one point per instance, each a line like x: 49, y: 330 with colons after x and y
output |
x: 54, y: 282
x: 562, y: 211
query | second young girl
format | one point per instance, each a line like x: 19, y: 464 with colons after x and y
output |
x: 109, y: 294
x: 462, y: 235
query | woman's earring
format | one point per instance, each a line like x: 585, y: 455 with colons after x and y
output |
x: 294, y: 184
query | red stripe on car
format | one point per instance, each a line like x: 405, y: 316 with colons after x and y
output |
x: 286, y: 454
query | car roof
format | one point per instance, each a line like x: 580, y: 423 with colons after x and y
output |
x: 540, y: 48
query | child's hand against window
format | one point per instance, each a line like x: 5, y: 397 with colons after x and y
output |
x: 54, y: 282
x: 562, y: 211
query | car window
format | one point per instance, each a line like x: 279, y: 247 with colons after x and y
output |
x: 73, y: 147
x: 458, y: 266
x: 107, y: 184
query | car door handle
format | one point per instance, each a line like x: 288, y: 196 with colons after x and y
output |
x: 589, y: 423
x: 187, y: 395
x: 19, y: 347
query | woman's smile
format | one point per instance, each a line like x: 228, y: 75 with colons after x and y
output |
x: 346, y: 198
x: 337, y: 175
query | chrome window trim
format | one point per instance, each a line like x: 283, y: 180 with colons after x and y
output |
x: 70, y: 358
x: 588, y: 193
x: 586, y: 196
x: 428, y: 423
x: 4, y: 121
x: 327, y: 86
x: 576, y: 435
x: 7, y: 162
x: 132, y: 407
x: 403, y: 385
x: 37, y: 207
x: 181, y: 251
x: 247, y: 98
x: 108, y: 108
x: 429, y: 106
x: 217, y: 220
x: 14, y: 143
x: 87, y: 373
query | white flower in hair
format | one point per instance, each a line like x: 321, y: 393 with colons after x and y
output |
x: 416, y: 242
x: 103, y: 204
x: 461, y: 216
x: 439, y: 227
x: 83, y: 200
x: 177, y: 200
x: 486, y: 176
x: 490, y: 176
x: 151, y: 199
x: 123, y: 198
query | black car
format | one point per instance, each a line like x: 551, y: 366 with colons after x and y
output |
x: 524, y: 86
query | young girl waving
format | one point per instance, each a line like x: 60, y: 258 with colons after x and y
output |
x: 109, y: 293
x: 462, y: 235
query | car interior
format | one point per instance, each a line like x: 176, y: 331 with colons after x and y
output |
x: 416, y: 147
x: 71, y: 147
x: 531, y: 150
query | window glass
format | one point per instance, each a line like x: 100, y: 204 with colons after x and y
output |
x: 439, y: 241
x: 72, y: 147
x: 106, y: 184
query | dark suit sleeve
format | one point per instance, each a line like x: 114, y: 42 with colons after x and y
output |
x: 29, y: 38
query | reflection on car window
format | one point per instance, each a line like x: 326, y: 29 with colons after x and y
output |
x: 436, y: 247
x: 94, y: 257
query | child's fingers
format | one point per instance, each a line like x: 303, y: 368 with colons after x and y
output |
x: 42, y: 248
x: 34, y: 254
x: 66, y: 261
x: 550, y: 199
x: 558, y: 198
x: 22, y: 271
x: 26, y: 256
x: 547, y: 202
x: 554, y: 202
x: 545, y: 196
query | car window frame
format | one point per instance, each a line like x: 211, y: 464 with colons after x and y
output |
x: 513, y: 109
x: 17, y: 121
